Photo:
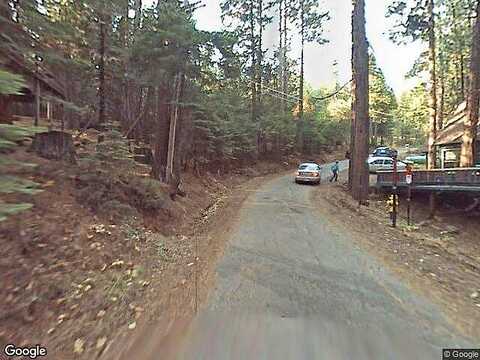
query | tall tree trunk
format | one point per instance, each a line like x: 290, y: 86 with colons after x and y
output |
x: 253, y: 51
x: 138, y: 14
x: 259, y: 51
x: 300, y: 124
x: 360, y: 175
x: 101, y: 71
x: 260, y: 139
x: 286, y: 4
x: 352, y: 145
x: 127, y: 117
x: 469, y: 138
x: 171, y: 153
x: 462, y: 77
x: 159, y: 165
x: 280, y: 51
x: 441, y: 111
x: 432, y: 131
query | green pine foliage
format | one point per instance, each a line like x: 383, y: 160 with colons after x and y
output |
x: 453, y: 36
x: 10, y: 135
x: 411, y: 117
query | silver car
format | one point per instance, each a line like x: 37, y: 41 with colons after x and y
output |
x: 377, y: 163
x: 308, y: 173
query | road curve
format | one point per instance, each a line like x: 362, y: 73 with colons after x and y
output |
x: 292, y: 286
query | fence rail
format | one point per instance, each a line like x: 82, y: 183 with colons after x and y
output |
x: 454, y: 179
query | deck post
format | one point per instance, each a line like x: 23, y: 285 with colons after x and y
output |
x: 395, y: 192
x: 37, y: 101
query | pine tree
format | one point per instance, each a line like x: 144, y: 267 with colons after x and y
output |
x: 359, y: 150
x: 469, y: 138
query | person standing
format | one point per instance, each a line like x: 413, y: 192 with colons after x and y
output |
x: 335, y: 170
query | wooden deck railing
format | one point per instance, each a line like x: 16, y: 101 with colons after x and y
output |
x: 465, y: 177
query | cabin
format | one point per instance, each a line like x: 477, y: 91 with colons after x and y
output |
x: 39, y: 80
x: 449, y: 140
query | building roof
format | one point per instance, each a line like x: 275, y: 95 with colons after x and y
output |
x: 16, y: 63
x: 453, y: 129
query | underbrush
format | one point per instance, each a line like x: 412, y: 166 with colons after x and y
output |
x: 108, y: 183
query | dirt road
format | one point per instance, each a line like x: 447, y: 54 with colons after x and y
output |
x: 293, y: 286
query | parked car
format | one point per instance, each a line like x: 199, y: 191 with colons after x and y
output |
x: 385, y: 151
x: 308, y: 173
x: 377, y: 163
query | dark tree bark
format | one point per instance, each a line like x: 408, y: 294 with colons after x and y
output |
x: 432, y: 131
x: 159, y: 165
x: 361, y: 123
x: 441, y: 111
x: 174, y: 121
x: 286, y: 5
x: 300, y: 124
x: 101, y: 71
x: 280, y: 51
x: 469, y: 138
x: 260, y: 136
x: 253, y: 51
x: 259, y: 51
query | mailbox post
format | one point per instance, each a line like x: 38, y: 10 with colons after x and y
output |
x: 394, y: 191
x: 408, y: 179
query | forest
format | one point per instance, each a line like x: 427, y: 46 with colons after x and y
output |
x: 129, y: 139
x: 138, y: 69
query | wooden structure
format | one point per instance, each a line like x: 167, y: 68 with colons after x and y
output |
x: 39, y: 82
x: 445, y: 180
x: 449, y: 140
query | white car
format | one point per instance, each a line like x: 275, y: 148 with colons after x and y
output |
x: 308, y: 173
x: 376, y: 163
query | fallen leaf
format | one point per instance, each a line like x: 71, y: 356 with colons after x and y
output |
x: 49, y: 183
x: 78, y: 346
x: 101, y: 342
x: 117, y: 263
x: 61, y: 301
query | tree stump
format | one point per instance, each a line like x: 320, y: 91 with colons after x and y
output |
x: 55, y: 145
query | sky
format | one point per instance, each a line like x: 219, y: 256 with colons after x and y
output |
x: 394, y: 60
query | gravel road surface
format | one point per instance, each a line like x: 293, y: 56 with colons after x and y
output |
x: 292, y: 286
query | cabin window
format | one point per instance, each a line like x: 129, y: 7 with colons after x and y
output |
x: 450, y: 158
